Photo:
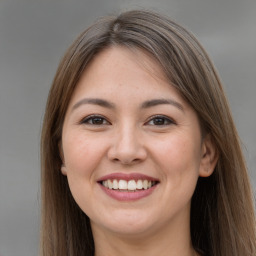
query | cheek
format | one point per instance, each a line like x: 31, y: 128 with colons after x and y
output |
x: 179, y: 157
x: 180, y: 162
x: 182, y: 149
x: 81, y: 154
x: 82, y: 157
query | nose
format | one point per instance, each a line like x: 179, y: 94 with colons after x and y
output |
x: 127, y: 147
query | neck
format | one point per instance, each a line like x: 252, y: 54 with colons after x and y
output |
x: 126, y: 247
x: 167, y: 241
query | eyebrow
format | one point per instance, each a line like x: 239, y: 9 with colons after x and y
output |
x: 94, y: 101
x: 110, y: 105
x: 155, y: 102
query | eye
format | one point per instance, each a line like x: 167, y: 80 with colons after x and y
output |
x: 160, y: 121
x: 95, y: 120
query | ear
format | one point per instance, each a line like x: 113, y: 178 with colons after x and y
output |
x: 63, y: 170
x: 209, y: 156
x: 63, y: 167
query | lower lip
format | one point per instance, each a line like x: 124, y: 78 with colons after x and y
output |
x: 128, y: 196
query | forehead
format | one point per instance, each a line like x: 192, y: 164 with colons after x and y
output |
x: 124, y: 73
x: 125, y: 64
x: 121, y: 55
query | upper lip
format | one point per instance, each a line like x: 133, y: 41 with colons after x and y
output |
x: 127, y: 176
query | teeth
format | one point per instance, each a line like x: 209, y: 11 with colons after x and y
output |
x: 110, y: 184
x: 145, y: 184
x: 115, y: 184
x: 139, y: 184
x: 130, y: 185
x: 123, y: 184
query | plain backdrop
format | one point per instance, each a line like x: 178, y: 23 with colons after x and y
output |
x: 33, y: 37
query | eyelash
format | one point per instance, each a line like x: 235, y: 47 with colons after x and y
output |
x: 90, y: 119
x: 166, y: 120
x: 99, y: 120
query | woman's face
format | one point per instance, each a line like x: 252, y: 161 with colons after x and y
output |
x: 132, y: 147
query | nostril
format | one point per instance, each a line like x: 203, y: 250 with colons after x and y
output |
x: 127, y: 161
x: 126, y: 152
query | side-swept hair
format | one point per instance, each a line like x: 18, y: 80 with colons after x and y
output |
x: 222, y: 209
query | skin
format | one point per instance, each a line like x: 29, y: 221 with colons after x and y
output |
x: 127, y: 138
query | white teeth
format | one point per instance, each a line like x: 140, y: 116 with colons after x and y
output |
x: 139, y: 184
x: 115, y: 184
x: 130, y: 185
x: 145, y: 184
x: 122, y: 184
x: 110, y: 184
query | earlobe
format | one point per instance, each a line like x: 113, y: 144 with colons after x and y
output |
x: 63, y: 167
x: 209, y: 157
x: 64, y: 170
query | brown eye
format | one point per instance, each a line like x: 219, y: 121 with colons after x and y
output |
x: 95, y: 120
x: 160, y: 121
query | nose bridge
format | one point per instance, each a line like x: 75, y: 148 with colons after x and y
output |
x: 128, y: 146
x: 127, y: 138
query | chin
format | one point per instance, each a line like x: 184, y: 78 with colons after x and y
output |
x: 130, y: 223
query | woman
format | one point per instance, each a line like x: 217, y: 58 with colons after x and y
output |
x: 139, y: 151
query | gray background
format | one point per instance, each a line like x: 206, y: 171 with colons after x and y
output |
x: 33, y: 37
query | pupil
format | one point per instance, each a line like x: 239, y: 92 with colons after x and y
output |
x: 97, y: 120
x: 159, y: 121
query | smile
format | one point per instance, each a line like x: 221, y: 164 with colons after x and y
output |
x: 128, y: 185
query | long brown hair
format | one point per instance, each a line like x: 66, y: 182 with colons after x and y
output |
x: 222, y: 209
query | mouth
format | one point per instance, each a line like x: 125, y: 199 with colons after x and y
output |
x: 128, y: 185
